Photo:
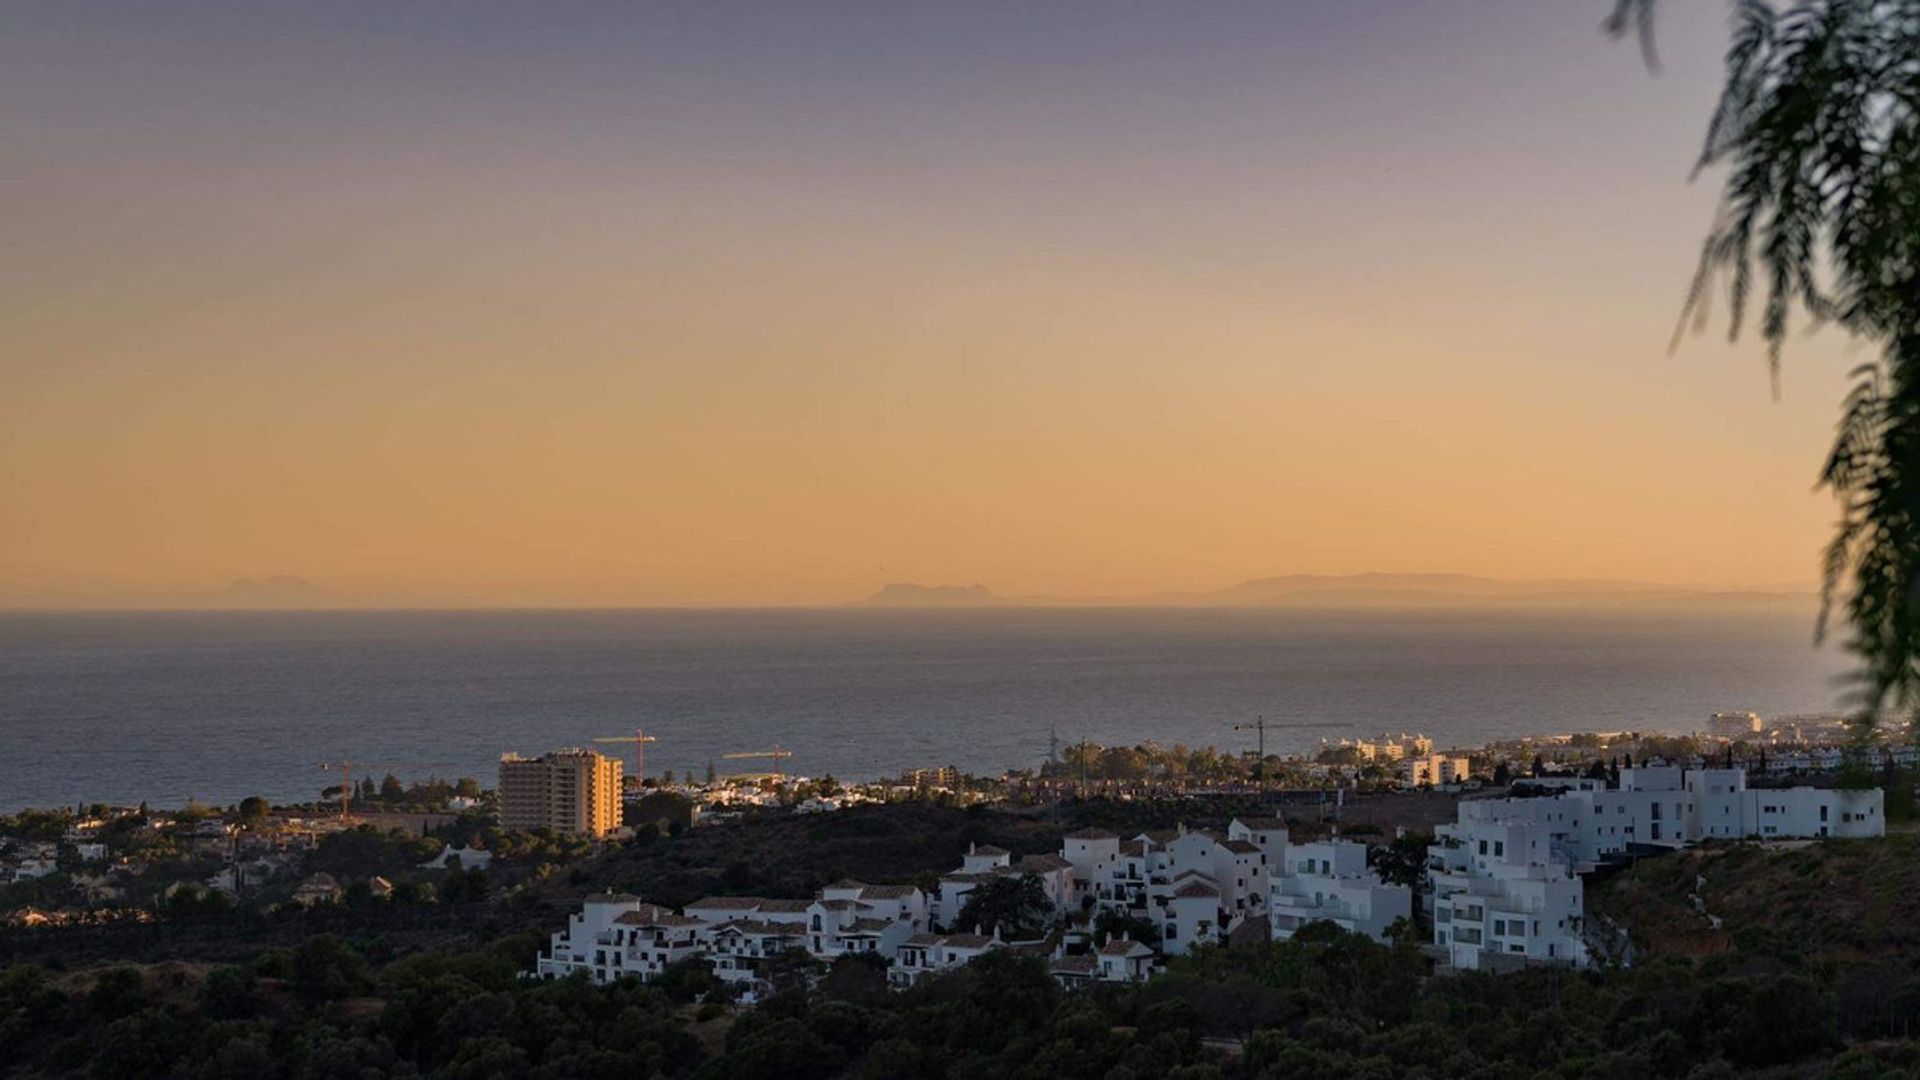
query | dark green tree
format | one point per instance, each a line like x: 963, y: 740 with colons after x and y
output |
x: 1016, y: 905
x: 1110, y: 924
x: 1818, y: 133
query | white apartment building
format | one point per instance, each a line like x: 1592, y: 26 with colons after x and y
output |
x: 1503, y: 894
x: 1330, y: 881
x: 1269, y: 834
x: 1087, y: 851
x: 854, y: 917
x: 1504, y: 875
x: 616, y: 935
x: 1670, y: 806
x: 1196, y: 885
x: 1721, y: 806
x: 739, y: 949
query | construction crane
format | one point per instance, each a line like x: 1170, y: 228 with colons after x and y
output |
x: 777, y: 754
x: 639, y: 739
x: 345, y: 768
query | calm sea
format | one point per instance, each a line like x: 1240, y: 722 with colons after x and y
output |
x: 216, y: 706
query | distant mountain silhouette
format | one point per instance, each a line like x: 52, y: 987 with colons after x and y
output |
x: 279, y: 590
x: 908, y: 594
x: 1369, y: 591
x: 1452, y: 590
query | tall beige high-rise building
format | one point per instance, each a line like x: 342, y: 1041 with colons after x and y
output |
x: 568, y: 791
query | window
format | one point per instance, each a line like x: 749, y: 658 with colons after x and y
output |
x: 1499, y: 848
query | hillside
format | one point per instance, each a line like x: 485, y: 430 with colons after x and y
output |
x: 1836, y: 901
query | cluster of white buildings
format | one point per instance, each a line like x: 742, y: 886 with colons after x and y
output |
x: 1190, y: 887
x: 1505, y: 882
x: 1505, y: 888
x: 1200, y: 887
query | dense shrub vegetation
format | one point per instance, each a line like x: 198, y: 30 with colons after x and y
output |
x: 1326, y: 1005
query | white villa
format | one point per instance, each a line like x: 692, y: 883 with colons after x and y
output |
x: 616, y: 935
x: 1121, y: 960
x: 924, y: 954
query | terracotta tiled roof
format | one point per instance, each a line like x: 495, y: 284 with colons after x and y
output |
x: 1075, y: 965
x: 1090, y: 834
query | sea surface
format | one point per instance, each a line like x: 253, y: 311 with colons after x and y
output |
x: 165, y: 707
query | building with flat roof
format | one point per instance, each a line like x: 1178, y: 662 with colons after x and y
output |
x: 569, y: 791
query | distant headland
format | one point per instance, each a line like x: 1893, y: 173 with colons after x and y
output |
x: 909, y: 594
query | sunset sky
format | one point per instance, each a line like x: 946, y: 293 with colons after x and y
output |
x: 743, y: 303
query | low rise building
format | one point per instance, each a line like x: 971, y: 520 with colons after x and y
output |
x: 926, y: 954
x: 464, y: 858
x: 317, y: 889
x: 1330, y: 881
